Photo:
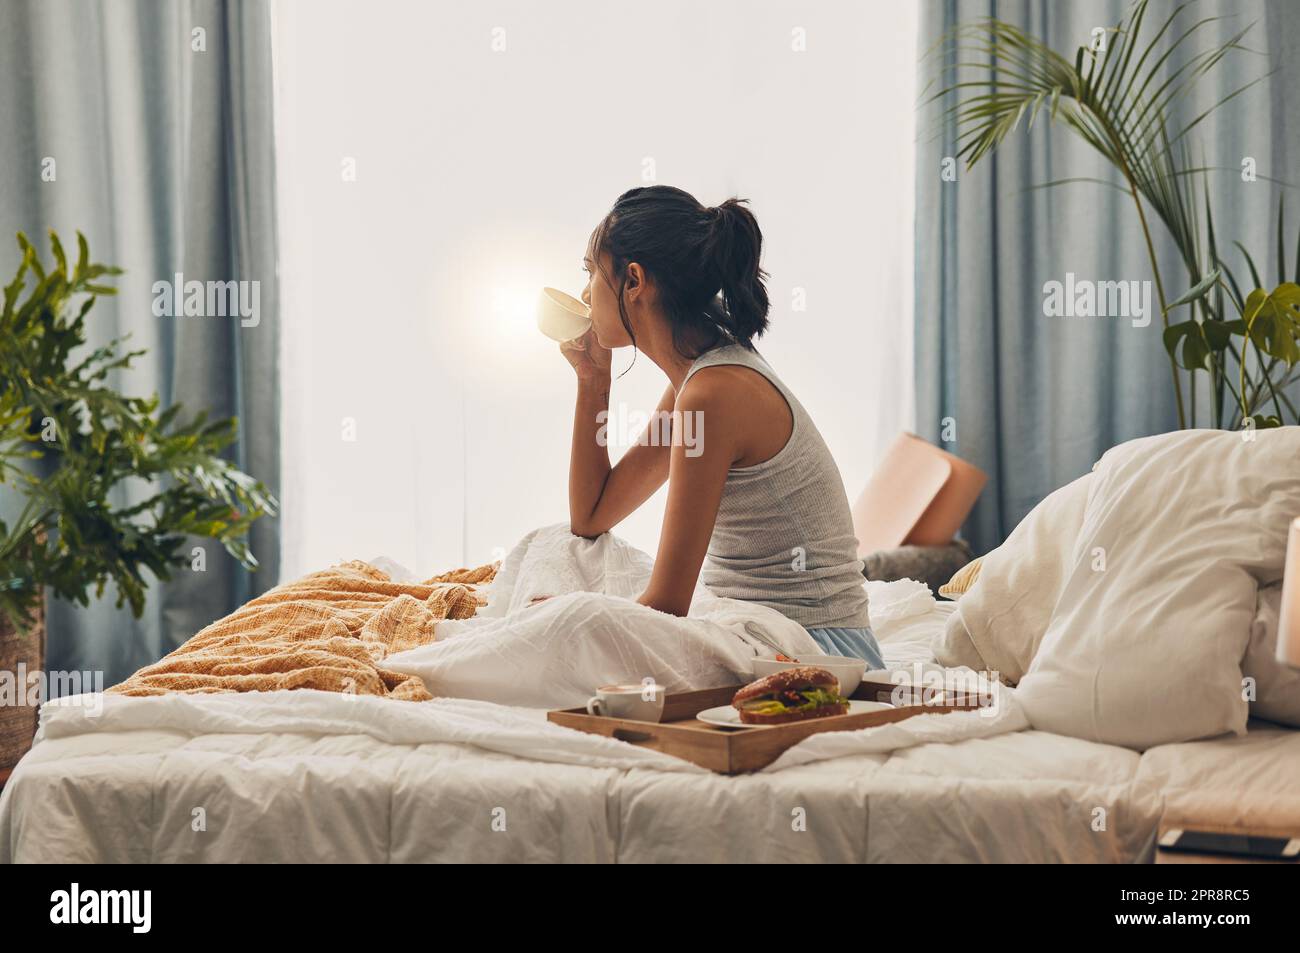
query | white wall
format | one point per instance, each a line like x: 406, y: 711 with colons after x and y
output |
x: 479, y: 176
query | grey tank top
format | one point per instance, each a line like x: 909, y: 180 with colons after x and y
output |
x: 784, y: 533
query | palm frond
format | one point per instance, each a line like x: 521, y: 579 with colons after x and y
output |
x: 1118, y: 101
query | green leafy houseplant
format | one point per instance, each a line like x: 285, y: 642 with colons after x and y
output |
x: 1267, y: 322
x: 1117, y: 99
x: 86, y: 440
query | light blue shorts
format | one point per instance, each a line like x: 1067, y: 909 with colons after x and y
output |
x: 854, y: 643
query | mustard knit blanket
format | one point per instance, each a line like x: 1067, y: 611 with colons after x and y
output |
x: 330, y: 630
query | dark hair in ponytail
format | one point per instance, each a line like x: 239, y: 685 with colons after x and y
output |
x: 705, y: 263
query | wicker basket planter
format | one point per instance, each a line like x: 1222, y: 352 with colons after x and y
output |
x: 21, y: 653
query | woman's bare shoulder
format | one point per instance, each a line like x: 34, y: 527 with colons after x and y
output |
x: 723, y: 385
x: 743, y: 403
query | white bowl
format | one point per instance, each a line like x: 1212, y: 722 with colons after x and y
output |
x: 849, y: 671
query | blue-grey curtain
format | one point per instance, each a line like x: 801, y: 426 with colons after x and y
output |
x: 157, y: 116
x: 1035, y: 400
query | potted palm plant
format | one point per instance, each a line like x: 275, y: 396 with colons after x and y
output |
x: 68, y: 442
x: 1117, y: 96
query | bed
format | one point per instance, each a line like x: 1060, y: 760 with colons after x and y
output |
x: 1129, y: 709
x: 293, y: 796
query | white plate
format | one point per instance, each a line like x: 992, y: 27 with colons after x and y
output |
x: 727, y: 717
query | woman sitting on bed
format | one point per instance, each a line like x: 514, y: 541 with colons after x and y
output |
x: 754, y: 496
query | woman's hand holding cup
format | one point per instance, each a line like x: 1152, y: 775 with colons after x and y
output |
x: 590, y: 361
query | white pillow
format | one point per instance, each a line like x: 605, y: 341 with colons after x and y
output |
x: 1147, y: 649
x: 1277, y: 686
x: 1001, y: 619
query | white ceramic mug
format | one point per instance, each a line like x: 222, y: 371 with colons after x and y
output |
x: 644, y: 702
x: 561, y: 317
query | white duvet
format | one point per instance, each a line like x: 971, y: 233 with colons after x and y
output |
x: 591, y: 631
x: 495, y: 673
x: 1123, y: 605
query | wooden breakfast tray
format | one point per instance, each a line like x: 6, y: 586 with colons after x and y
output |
x: 748, y: 748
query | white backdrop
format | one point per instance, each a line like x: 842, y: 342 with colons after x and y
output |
x: 439, y: 163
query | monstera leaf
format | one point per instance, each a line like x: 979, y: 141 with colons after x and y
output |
x: 1193, y: 343
x: 1272, y: 321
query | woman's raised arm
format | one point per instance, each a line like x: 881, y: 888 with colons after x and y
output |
x: 600, y: 496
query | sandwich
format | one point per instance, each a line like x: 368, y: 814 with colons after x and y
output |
x: 794, y: 694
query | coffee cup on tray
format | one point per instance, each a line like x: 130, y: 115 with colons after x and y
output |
x: 642, y: 701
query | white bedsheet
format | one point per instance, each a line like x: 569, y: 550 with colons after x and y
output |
x: 210, y: 788
x: 311, y: 776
